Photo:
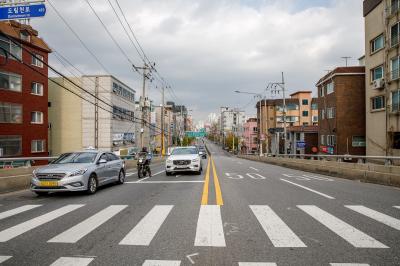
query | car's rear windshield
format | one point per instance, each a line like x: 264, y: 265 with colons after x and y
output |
x: 182, y: 151
x: 76, y: 157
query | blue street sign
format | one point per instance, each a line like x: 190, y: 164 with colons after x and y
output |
x: 22, y: 11
x: 300, y: 144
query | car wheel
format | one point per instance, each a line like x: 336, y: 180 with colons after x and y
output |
x: 41, y: 193
x: 92, y: 184
x: 121, y: 177
x: 199, y: 172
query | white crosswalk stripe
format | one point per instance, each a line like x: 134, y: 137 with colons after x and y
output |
x: 18, y: 210
x: 146, y: 229
x: 210, y: 230
x: 80, y: 230
x: 21, y: 228
x: 257, y: 264
x: 4, y: 258
x: 162, y: 263
x: 276, y: 229
x: 352, y: 235
x: 378, y: 216
x: 72, y: 261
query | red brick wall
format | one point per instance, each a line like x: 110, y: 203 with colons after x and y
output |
x: 29, y: 102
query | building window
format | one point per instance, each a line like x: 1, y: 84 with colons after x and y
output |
x: 305, y: 113
x: 322, y: 114
x: 395, y: 101
x: 315, y: 118
x: 330, y: 112
x: 377, y: 73
x: 331, y: 140
x: 298, y: 136
x: 10, y: 82
x: 10, y: 146
x: 358, y: 141
x: 321, y: 91
x: 38, y: 145
x: 10, y: 113
x: 394, y: 68
x: 322, y: 139
x: 24, y: 35
x: 377, y: 43
x: 304, y: 102
x: 37, y: 118
x: 37, y: 60
x: 329, y: 88
x: 378, y: 102
x: 394, y: 6
x: 314, y: 106
x: 394, y: 34
x: 37, y: 88
x: 396, y: 140
x: 11, y: 48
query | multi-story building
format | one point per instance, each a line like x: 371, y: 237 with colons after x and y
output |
x: 77, y: 123
x: 250, y: 136
x: 382, y: 80
x: 341, y: 104
x: 231, y: 121
x: 23, y: 92
x: 301, y: 110
x: 303, y: 139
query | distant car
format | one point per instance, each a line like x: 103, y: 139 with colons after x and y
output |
x: 78, y: 171
x: 204, y: 151
x: 184, y: 159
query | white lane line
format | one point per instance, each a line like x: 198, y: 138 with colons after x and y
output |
x: 253, y: 168
x: 17, y: 211
x: 397, y: 207
x: 24, y: 227
x: 378, y: 216
x: 162, y: 263
x: 348, y: 264
x: 72, y: 261
x: 146, y: 229
x: 309, y: 189
x: 210, y: 231
x: 80, y: 230
x: 349, y: 233
x: 278, y: 232
x: 257, y: 264
x: 166, y: 182
x: 130, y: 174
x: 150, y: 176
x: 4, y: 258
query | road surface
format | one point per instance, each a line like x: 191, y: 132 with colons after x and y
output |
x: 237, y: 212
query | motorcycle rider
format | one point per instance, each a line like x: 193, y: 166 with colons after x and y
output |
x: 144, y: 154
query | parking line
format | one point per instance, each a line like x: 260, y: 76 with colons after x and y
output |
x: 218, y: 193
x: 309, y: 189
x: 204, y: 198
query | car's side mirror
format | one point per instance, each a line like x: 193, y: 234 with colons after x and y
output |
x: 101, y: 161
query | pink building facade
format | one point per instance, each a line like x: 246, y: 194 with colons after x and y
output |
x: 250, y: 136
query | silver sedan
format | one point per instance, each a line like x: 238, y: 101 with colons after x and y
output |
x: 78, y: 171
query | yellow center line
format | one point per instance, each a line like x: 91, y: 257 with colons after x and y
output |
x: 204, y: 198
x: 218, y: 194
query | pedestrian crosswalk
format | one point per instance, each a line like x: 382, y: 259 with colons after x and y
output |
x: 85, y: 261
x: 209, y: 225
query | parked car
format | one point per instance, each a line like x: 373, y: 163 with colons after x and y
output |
x: 78, y: 171
x: 184, y: 159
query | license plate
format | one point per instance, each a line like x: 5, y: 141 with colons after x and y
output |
x: 182, y: 166
x: 48, y: 184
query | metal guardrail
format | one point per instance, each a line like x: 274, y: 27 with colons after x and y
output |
x: 388, y: 160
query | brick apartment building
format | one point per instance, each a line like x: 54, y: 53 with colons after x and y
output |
x: 23, y: 93
x: 341, y: 102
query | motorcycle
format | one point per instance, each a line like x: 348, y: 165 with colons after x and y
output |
x: 143, y: 167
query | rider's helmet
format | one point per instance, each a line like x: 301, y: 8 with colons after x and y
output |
x: 144, y: 149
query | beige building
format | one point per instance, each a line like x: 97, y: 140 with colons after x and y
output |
x: 76, y: 123
x: 382, y: 31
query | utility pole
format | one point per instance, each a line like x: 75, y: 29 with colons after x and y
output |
x: 96, y: 113
x: 162, y: 123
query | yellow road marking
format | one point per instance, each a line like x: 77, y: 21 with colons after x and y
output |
x: 218, y: 194
x: 204, y: 198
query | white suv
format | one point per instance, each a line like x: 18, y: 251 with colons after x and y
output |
x: 184, y: 159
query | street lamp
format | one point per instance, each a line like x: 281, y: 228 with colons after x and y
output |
x: 260, y: 96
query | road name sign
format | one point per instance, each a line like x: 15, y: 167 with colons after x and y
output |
x: 22, y: 11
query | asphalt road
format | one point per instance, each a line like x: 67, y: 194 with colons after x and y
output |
x: 237, y: 213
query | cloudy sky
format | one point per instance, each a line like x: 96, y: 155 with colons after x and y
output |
x: 207, y: 49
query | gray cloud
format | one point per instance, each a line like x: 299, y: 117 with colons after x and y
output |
x: 207, y: 49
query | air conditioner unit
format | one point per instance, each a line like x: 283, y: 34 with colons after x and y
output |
x: 378, y: 84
